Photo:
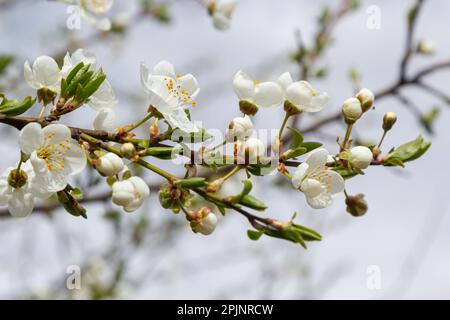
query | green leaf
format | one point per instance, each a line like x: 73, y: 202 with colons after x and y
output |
x: 427, y: 120
x: 164, y: 153
x: 253, y: 202
x: 260, y: 169
x: 15, y: 107
x: 309, y: 146
x: 408, y: 152
x: 247, y: 187
x: 293, y: 153
x: 195, y: 182
x: 297, y: 138
x: 254, y: 235
x: 346, y: 173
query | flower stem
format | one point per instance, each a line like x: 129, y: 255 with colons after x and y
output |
x: 140, y: 122
x: 382, y: 138
x: 286, y: 117
x: 41, y: 112
x: 347, y: 135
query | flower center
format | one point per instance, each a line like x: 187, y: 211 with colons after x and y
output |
x: 182, y: 95
x: 321, y: 174
x: 54, y: 154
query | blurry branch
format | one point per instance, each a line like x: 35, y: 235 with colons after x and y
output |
x: 403, y: 80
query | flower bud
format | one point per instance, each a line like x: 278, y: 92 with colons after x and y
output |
x: 360, y: 157
x: 109, y: 164
x: 240, y: 128
x: 356, y: 205
x: 128, y: 150
x: 352, y: 110
x: 252, y: 149
x: 426, y: 47
x: 388, y: 120
x: 366, y: 97
x: 130, y: 194
x: 206, y: 223
x: 17, y: 179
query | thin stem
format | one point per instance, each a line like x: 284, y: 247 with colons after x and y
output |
x: 224, y: 142
x: 382, y: 138
x: 231, y: 173
x: 286, y: 117
x: 140, y: 122
x: 41, y: 112
x: 347, y: 135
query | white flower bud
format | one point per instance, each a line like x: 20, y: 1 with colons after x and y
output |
x: 240, y: 128
x: 128, y: 150
x: 426, y: 47
x: 251, y: 149
x: 389, y: 120
x: 109, y: 164
x: 360, y: 157
x: 206, y: 225
x: 366, y: 97
x: 130, y: 194
x: 352, y: 110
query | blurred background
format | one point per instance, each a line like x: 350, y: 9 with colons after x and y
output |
x: 152, y: 253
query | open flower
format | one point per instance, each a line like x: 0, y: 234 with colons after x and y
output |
x: 169, y: 93
x: 257, y: 94
x: 44, y: 74
x: 94, y: 11
x: 18, y: 193
x: 316, y: 180
x: 130, y: 194
x: 104, y: 96
x: 53, y: 154
x: 300, y: 95
x: 221, y: 12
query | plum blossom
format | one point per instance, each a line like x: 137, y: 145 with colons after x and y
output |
x: 54, y: 155
x: 316, y: 180
x: 301, y: 95
x: 169, y: 93
x: 94, y: 11
x: 43, y: 74
x: 20, y: 196
x: 221, y: 12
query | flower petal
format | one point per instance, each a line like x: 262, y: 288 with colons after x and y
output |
x: 285, y: 80
x: 105, y: 120
x: 299, y: 174
x: 75, y: 158
x: 189, y: 83
x: 323, y: 200
x: 317, y: 102
x: 317, y: 159
x: 46, y: 72
x: 164, y: 68
x: 268, y: 94
x: 300, y: 94
x: 179, y: 119
x: 104, y: 97
x: 243, y: 86
x: 336, y: 182
x: 55, y: 133
x: 20, y: 204
x: 29, y: 76
x: 31, y: 137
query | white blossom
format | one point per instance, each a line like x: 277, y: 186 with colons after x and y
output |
x: 53, y: 154
x: 44, y: 73
x: 130, y: 193
x: 20, y: 199
x: 109, y: 164
x: 222, y: 11
x: 360, y: 157
x: 366, y: 97
x: 105, y: 120
x: 94, y: 11
x: 301, y: 94
x: 169, y: 93
x: 240, y: 128
x: 316, y: 180
x: 261, y: 94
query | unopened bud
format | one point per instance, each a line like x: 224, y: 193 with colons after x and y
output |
x: 356, y: 205
x: 109, y: 164
x: 240, y: 128
x: 205, y: 223
x: 388, y: 121
x: 426, y: 47
x: 128, y: 150
x: 352, y: 110
x: 360, y: 157
x: 366, y: 97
